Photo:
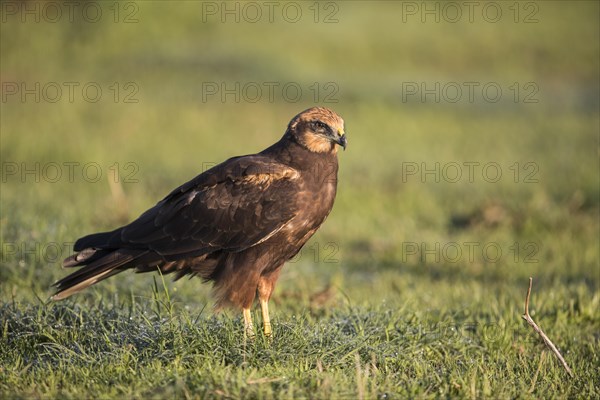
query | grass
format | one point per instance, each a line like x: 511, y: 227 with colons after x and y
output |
x: 155, y: 347
x: 415, y: 284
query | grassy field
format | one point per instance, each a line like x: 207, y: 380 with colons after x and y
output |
x: 473, y: 164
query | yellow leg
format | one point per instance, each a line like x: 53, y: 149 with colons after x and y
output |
x: 264, y: 307
x: 248, y: 326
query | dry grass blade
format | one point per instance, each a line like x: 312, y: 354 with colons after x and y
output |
x: 545, y: 338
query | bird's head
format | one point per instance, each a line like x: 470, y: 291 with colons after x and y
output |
x: 318, y: 129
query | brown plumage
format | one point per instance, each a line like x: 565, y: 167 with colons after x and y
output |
x: 235, y: 224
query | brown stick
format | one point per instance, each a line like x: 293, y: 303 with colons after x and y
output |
x: 545, y: 338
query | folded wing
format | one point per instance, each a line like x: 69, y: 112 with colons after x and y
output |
x: 231, y: 207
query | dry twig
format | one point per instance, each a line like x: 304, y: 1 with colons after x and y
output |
x: 545, y: 338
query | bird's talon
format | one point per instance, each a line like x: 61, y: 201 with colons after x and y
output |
x: 267, y: 330
x: 249, y: 331
x: 248, y: 326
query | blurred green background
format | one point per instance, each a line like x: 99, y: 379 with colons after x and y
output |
x: 392, y: 70
x: 108, y: 106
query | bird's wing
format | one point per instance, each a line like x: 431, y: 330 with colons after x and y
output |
x: 232, y: 206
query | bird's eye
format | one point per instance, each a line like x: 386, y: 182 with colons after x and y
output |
x: 319, y: 126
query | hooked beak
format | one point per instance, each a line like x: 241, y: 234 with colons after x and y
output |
x: 341, y: 139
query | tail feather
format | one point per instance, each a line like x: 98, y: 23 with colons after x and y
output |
x: 97, y: 264
x: 108, y: 265
x: 86, y: 256
x: 64, y: 292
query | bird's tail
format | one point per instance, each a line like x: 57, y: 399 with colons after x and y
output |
x: 98, y: 264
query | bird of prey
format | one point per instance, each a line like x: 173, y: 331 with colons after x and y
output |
x: 235, y: 224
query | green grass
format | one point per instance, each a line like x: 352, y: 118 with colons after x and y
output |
x: 159, y: 348
x: 379, y: 304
